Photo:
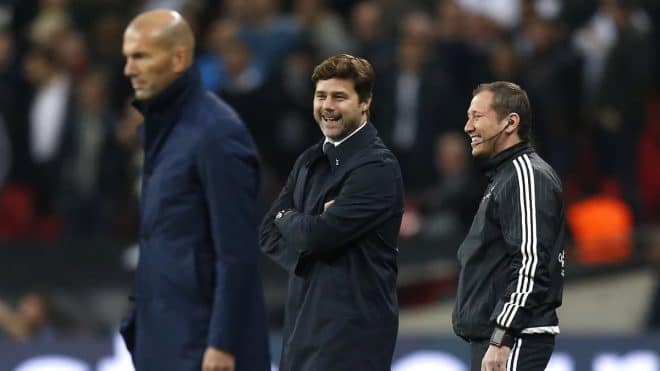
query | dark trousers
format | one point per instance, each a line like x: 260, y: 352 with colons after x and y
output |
x: 529, y: 353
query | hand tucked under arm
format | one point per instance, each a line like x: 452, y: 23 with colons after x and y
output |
x: 368, y: 197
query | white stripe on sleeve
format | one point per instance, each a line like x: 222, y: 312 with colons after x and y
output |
x: 528, y: 244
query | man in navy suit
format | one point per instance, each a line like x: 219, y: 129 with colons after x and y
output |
x: 334, y: 227
x: 198, y: 295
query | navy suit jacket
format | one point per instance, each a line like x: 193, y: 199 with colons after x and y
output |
x: 197, y: 283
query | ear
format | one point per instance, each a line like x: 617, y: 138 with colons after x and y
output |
x: 180, y: 59
x: 364, y: 106
x: 512, y: 122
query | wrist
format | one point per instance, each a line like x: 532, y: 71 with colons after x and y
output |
x: 502, y: 337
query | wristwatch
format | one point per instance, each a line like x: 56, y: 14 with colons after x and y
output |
x: 501, y: 337
x: 281, y: 213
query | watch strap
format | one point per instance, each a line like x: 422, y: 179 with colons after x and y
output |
x: 501, y: 336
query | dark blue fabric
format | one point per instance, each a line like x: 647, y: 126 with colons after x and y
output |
x: 342, y: 309
x: 197, y: 282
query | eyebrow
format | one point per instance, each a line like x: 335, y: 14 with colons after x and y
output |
x: 338, y: 92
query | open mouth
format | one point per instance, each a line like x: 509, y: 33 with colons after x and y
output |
x: 329, y: 118
x: 331, y: 122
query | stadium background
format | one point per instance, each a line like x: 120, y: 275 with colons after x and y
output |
x: 69, y: 159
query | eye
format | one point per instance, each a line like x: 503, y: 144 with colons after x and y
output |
x: 139, y: 56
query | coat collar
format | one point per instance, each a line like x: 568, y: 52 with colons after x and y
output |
x: 162, y: 111
x: 494, y: 164
x: 338, y: 155
x: 167, y: 100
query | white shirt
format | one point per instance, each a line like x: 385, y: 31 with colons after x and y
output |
x: 407, y: 101
x: 504, y: 12
x: 47, y: 118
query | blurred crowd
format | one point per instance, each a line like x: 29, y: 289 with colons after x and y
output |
x: 70, y: 157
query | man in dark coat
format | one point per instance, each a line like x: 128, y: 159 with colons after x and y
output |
x: 198, y: 296
x: 334, y: 228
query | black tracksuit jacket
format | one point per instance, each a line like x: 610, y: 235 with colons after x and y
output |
x: 512, y: 260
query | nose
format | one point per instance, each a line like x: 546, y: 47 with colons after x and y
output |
x: 129, y: 68
x: 469, y: 126
x: 328, y: 104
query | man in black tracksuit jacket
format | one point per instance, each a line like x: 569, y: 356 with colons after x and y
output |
x: 512, y: 260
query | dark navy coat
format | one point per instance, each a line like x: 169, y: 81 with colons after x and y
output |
x: 197, y: 282
x: 342, y: 308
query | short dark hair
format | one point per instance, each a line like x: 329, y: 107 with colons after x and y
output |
x: 345, y: 66
x: 510, y: 98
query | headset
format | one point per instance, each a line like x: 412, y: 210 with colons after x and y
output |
x: 498, y: 134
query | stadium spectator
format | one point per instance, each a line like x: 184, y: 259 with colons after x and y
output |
x: 448, y: 206
x: 31, y: 320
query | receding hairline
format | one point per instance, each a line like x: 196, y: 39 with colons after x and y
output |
x: 163, y: 26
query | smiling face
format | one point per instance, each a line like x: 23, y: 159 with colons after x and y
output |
x: 337, y: 108
x: 485, y: 128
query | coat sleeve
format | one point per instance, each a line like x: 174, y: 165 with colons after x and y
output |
x: 529, y: 212
x: 229, y: 175
x: 270, y: 239
x: 370, y: 195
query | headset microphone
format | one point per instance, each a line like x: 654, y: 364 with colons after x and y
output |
x: 498, y: 134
